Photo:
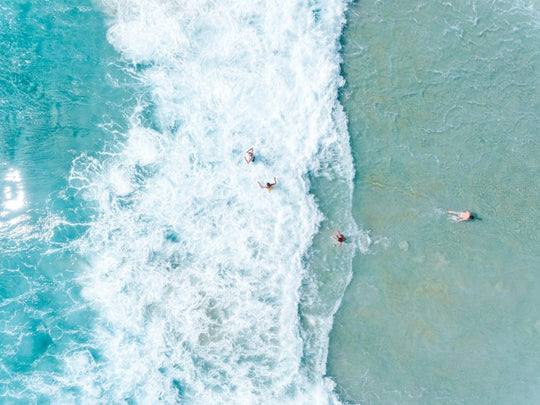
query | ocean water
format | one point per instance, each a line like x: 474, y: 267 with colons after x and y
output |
x: 141, y: 263
x: 59, y: 91
x: 443, y: 106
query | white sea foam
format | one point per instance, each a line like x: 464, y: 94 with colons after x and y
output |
x: 194, y: 270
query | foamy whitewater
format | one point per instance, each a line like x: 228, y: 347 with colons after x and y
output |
x: 194, y: 271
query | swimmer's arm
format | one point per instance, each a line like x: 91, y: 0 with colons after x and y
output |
x: 260, y: 185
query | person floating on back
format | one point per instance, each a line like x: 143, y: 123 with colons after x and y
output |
x: 462, y: 215
x: 268, y: 186
x: 339, y: 237
x: 250, y: 156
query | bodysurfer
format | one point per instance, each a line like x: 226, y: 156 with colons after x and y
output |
x: 462, y: 215
x: 269, y: 186
x: 250, y: 156
x: 339, y: 237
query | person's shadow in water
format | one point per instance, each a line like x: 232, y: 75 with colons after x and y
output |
x: 476, y: 217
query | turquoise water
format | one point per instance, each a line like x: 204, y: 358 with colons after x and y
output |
x: 443, y: 104
x: 141, y: 263
x: 58, y: 95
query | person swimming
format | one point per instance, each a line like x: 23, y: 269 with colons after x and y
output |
x: 339, y: 237
x: 462, y: 215
x: 250, y: 156
x: 269, y: 186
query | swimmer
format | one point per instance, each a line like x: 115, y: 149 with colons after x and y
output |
x: 268, y: 186
x: 462, y: 216
x: 339, y: 237
x: 250, y: 156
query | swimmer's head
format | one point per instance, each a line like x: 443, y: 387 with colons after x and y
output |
x: 471, y: 217
x: 268, y: 185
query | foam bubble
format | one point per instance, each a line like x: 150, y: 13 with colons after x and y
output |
x: 194, y: 269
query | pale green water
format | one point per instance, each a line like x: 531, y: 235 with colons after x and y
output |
x: 443, y: 104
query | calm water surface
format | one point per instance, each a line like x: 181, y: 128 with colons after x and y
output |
x: 443, y: 102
